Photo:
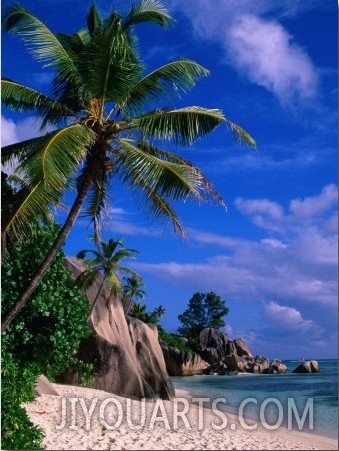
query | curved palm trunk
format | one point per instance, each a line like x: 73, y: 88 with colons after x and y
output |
x: 57, y: 245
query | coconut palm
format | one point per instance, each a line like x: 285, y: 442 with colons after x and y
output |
x: 107, y: 127
x: 133, y: 288
x: 139, y: 311
x: 105, y: 261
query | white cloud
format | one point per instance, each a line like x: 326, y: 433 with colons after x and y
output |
x: 263, y: 212
x: 129, y: 228
x: 257, y: 45
x: 13, y: 132
x: 286, y: 317
x: 8, y: 132
x: 316, y: 205
x: 292, y: 261
x: 301, y: 214
x: 276, y: 63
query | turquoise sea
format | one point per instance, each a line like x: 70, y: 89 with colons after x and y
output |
x: 321, y: 389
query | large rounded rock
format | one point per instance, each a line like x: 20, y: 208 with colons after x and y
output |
x: 276, y: 367
x: 180, y: 363
x: 214, y: 345
x: 125, y: 352
x: 242, y: 348
x: 311, y: 366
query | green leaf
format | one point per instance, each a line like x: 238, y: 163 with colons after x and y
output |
x: 22, y: 98
x: 39, y: 40
x: 45, y: 173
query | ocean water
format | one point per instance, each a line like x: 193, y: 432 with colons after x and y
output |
x: 311, y: 394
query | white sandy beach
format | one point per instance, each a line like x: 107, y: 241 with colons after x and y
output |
x: 119, y: 423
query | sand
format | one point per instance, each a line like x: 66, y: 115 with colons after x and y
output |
x: 98, y: 420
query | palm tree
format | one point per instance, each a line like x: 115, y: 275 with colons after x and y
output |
x: 138, y: 311
x: 101, y: 103
x: 133, y: 288
x: 105, y: 262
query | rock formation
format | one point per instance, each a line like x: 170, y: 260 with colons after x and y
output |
x: 276, y: 367
x: 227, y: 356
x: 242, y: 348
x: 215, y: 346
x: 307, y: 367
x: 124, y: 351
x: 180, y: 363
x: 44, y: 387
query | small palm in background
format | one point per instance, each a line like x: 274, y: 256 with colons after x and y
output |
x: 106, y: 262
x: 138, y: 311
x: 133, y: 288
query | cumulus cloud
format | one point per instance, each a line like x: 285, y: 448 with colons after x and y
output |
x: 316, y: 205
x: 301, y: 212
x: 263, y: 212
x: 12, y: 132
x: 276, y: 63
x: 292, y: 261
x: 286, y: 317
x: 257, y: 45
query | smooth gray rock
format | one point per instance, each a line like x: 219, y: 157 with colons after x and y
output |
x: 127, y: 357
x: 180, y: 363
x: 310, y: 366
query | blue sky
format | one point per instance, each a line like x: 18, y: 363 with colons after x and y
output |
x: 273, y: 255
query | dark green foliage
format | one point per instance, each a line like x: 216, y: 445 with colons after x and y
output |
x: 174, y: 340
x: 43, y: 338
x: 48, y: 329
x: 204, y: 310
x: 17, y: 385
x: 138, y: 311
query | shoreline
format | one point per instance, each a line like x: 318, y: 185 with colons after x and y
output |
x: 83, y: 418
x: 308, y: 436
x: 190, y: 394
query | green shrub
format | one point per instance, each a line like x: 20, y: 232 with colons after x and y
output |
x: 48, y: 329
x: 43, y: 338
x: 17, y: 386
x: 174, y: 340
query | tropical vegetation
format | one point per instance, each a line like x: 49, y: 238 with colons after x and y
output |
x: 204, y: 310
x: 139, y: 311
x: 45, y: 335
x: 110, y: 122
x: 106, y: 263
x: 132, y: 292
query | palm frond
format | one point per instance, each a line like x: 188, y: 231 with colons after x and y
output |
x: 22, y: 98
x: 113, y: 284
x: 148, y: 11
x: 170, y: 180
x: 125, y: 253
x: 186, y: 125
x: 240, y: 134
x: 157, y: 207
x: 11, y: 153
x: 183, y: 126
x: 39, y: 40
x: 207, y: 192
x: 94, y: 22
x: 173, y: 78
x: 45, y: 172
x: 98, y: 197
x: 86, y: 279
x: 144, y: 190
x: 109, y: 65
